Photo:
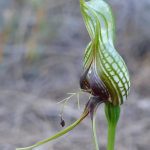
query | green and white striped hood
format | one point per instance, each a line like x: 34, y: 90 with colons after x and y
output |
x: 105, y: 72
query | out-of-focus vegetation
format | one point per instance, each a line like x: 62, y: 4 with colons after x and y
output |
x: 41, y: 48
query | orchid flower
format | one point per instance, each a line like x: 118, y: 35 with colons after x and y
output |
x: 105, y: 75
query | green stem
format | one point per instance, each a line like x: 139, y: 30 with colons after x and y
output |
x: 112, y: 114
x: 94, y: 133
x: 66, y: 130
x: 111, y: 137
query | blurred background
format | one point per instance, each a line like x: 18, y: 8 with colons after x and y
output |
x: 41, y: 49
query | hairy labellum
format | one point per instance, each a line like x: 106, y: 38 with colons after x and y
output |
x: 62, y: 122
x: 105, y: 73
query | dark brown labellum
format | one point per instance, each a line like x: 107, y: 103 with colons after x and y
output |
x: 62, y: 122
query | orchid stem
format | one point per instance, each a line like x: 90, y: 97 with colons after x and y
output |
x: 112, y: 114
x: 66, y: 130
x: 111, y: 137
x: 94, y: 133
